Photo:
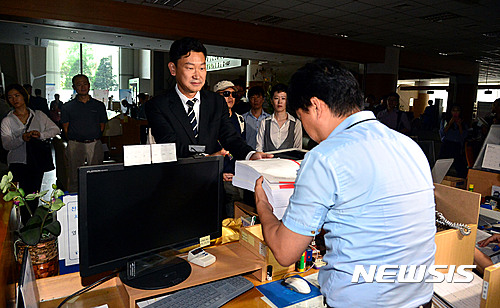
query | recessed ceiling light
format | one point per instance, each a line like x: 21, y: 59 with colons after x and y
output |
x: 443, y: 54
x: 398, y: 46
x: 74, y: 31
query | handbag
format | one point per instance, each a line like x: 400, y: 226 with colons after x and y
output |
x: 39, y: 153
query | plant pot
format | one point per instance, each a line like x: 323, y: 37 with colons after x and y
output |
x: 44, y: 257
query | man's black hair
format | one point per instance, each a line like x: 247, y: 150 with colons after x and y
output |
x: 279, y: 87
x: 328, y: 81
x: 257, y: 90
x: 38, y: 91
x: 393, y: 94
x: 183, y: 47
x: 78, y: 76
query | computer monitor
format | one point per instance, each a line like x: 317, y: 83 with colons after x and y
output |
x: 130, y: 213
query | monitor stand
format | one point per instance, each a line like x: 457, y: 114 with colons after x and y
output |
x: 157, y: 271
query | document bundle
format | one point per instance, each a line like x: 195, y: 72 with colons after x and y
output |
x: 279, y: 179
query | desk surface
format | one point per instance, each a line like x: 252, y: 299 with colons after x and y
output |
x: 109, y: 294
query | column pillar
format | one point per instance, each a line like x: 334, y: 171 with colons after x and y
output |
x: 253, y: 76
x: 420, y: 102
x: 382, y: 78
x: 463, y: 92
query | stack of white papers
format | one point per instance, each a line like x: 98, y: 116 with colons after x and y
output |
x: 279, y: 179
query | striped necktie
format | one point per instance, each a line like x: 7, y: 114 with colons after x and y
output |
x: 192, y: 117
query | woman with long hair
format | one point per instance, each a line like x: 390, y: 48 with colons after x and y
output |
x: 16, y: 133
x: 453, y: 133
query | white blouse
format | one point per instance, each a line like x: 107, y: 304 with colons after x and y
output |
x: 12, y: 130
x: 278, y: 134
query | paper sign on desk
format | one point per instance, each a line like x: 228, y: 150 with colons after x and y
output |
x: 68, y: 240
x: 492, y: 157
x: 163, y: 152
x: 136, y: 154
x: 282, y: 297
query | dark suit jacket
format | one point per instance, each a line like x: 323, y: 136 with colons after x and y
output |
x: 169, y: 123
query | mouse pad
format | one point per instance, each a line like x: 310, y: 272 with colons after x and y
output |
x: 281, y: 296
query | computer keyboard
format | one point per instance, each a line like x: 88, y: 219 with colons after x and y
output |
x: 212, y: 294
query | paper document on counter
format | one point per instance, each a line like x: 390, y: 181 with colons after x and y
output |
x: 279, y: 179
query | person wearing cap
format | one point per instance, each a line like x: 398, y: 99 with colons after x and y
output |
x: 228, y: 90
x: 281, y: 130
x: 195, y: 120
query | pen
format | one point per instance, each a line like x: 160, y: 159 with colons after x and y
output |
x: 228, y: 154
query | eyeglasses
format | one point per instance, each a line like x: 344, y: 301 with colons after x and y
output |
x: 229, y: 93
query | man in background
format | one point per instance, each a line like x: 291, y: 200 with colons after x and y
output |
x: 393, y: 117
x: 83, y: 120
x: 355, y: 185
x: 40, y: 103
x: 255, y: 115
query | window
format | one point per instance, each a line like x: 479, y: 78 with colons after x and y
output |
x: 67, y: 59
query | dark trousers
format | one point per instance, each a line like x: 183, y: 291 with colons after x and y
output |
x: 30, y: 181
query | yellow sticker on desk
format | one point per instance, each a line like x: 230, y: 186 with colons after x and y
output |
x: 205, y: 241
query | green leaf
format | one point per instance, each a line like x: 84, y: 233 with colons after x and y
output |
x: 21, y: 191
x: 30, y: 197
x: 54, y: 186
x: 21, y: 202
x: 11, y: 195
x: 54, y: 228
x: 58, y: 193
x: 41, y: 212
x: 42, y: 193
x: 57, y: 205
x: 30, y: 234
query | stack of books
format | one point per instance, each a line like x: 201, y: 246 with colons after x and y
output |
x: 279, y: 179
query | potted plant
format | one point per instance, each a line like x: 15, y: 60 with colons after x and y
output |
x: 41, y: 230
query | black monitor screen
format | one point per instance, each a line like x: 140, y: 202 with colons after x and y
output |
x: 127, y: 212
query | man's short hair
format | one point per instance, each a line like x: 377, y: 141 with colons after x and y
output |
x: 278, y: 88
x: 239, y: 83
x: 78, y: 76
x: 393, y: 94
x: 328, y: 81
x: 257, y: 90
x: 183, y: 47
x: 142, y: 95
x: 38, y: 92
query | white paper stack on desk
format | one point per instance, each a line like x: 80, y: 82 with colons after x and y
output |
x: 279, y: 179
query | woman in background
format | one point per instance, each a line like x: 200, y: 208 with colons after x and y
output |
x: 453, y: 133
x: 226, y: 89
x: 281, y: 130
x: 15, y: 135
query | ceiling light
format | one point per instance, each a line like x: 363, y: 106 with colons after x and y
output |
x: 398, y: 46
x: 443, y: 54
x: 74, y: 31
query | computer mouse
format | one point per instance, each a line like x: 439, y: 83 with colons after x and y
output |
x: 297, y: 284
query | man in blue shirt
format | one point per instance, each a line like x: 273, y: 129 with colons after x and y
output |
x: 255, y: 115
x: 369, y: 187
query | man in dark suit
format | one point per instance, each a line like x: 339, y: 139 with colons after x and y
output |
x: 190, y: 116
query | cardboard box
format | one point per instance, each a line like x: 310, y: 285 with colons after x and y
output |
x: 482, y: 181
x: 252, y: 238
x: 457, y: 205
x: 455, y: 182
